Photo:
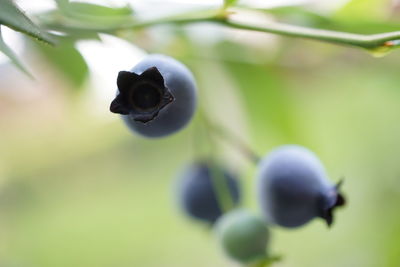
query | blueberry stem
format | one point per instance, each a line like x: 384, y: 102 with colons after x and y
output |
x: 236, y: 142
x: 220, y: 132
x: 222, y: 16
x: 220, y: 187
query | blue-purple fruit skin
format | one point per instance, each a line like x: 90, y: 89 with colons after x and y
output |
x: 293, y: 186
x: 196, y: 192
x: 181, y: 83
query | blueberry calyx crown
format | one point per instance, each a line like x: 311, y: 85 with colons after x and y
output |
x: 330, y: 202
x: 141, y: 96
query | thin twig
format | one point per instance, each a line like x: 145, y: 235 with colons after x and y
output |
x: 220, y: 132
x: 368, y: 41
x: 223, y: 17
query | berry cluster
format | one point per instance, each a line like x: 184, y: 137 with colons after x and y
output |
x: 157, y: 98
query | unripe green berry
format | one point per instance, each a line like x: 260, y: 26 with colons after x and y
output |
x: 243, y: 236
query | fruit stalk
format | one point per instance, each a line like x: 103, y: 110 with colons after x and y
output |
x: 220, y: 132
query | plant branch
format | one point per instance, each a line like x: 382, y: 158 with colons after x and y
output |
x: 370, y: 41
x: 58, y: 22
x: 223, y: 17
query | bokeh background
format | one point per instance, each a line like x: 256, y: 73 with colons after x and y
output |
x: 78, y: 189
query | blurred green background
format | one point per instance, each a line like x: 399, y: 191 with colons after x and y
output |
x: 78, y: 189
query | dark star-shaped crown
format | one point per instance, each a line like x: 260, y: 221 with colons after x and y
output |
x: 141, y: 96
x: 327, y: 207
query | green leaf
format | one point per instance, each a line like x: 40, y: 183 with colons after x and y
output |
x: 86, y: 17
x: 264, y: 95
x: 62, y: 3
x: 91, y: 14
x: 67, y: 60
x: 364, y: 9
x: 229, y: 2
x: 6, y: 50
x: 267, y: 261
x: 12, y: 16
x: 298, y: 13
x: 339, y: 22
x: 93, y: 10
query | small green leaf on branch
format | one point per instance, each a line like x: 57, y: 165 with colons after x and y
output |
x: 13, y: 17
x: 228, y: 3
x: 67, y: 60
x: 6, y: 50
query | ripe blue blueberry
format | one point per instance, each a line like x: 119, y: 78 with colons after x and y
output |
x: 157, y: 97
x: 197, y: 191
x: 243, y: 236
x: 293, y: 187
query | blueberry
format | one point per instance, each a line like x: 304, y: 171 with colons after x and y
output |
x: 197, y: 191
x: 157, y: 97
x: 293, y: 187
x: 243, y: 236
